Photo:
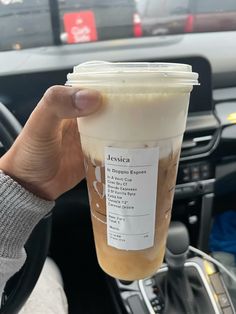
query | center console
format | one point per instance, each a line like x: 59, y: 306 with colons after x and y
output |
x: 194, y: 192
x: 146, y: 296
x: 197, y: 283
x: 185, y: 284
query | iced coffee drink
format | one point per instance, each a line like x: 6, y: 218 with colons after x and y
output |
x: 131, y: 153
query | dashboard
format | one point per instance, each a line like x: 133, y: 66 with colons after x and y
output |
x: 208, y: 45
x: 206, y: 175
x: 26, y: 74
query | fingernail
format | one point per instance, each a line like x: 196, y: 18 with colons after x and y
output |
x: 85, y: 100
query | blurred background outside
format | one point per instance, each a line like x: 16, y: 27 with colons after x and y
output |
x: 37, y: 23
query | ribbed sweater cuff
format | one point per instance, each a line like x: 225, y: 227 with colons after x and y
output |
x: 20, y: 211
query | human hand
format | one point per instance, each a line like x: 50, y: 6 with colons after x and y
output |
x: 46, y: 157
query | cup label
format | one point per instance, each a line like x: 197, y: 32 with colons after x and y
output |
x: 131, y: 191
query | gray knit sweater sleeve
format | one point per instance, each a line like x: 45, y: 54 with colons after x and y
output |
x: 20, y: 211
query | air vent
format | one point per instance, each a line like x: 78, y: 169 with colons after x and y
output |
x: 199, y: 142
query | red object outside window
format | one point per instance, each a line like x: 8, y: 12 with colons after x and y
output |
x: 80, y: 27
x: 189, y: 24
x: 138, y: 31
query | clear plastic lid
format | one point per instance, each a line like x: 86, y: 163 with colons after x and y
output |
x: 100, y: 72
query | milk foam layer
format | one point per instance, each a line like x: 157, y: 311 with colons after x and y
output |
x: 144, y: 105
x: 132, y: 120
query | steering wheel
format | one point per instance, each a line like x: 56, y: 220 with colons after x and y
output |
x: 20, y: 286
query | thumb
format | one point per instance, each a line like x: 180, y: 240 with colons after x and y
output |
x: 58, y: 103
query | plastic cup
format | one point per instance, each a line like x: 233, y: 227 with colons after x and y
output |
x: 131, y: 150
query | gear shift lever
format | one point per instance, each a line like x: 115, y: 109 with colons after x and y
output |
x: 176, y: 287
x: 177, y: 246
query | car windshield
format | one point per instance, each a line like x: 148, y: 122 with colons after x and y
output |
x: 37, y: 23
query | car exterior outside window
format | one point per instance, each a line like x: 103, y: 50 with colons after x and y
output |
x: 38, y: 23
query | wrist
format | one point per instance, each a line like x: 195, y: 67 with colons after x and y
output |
x: 35, y: 188
x: 20, y: 211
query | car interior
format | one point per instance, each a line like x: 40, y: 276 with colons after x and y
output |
x: 196, y: 276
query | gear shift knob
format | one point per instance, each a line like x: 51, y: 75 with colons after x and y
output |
x: 182, y: 288
x: 177, y: 245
